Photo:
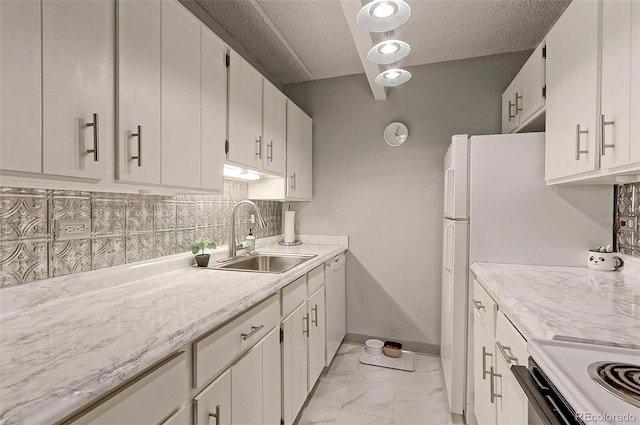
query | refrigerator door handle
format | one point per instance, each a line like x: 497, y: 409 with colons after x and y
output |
x: 449, y: 179
x: 449, y: 237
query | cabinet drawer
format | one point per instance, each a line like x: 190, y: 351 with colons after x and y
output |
x: 485, y: 306
x: 150, y: 398
x: 316, y: 279
x: 512, y: 345
x: 216, y: 351
x: 294, y: 294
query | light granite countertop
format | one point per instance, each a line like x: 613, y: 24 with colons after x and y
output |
x: 543, y: 301
x: 64, y: 342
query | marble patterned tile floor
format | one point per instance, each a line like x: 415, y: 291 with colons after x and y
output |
x: 352, y: 393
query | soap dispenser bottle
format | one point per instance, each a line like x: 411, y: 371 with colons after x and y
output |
x: 251, y: 242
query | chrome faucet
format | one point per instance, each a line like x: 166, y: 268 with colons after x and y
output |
x: 232, y: 225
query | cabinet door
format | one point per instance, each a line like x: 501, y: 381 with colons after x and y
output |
x: 317, y: 336
x: 77, y: 87
x: 294, y: 363
x: 213, y: 404
x: 214, y: 110
x: 274, y: 129
x: 138, y: 74
x: 508, y: 114
x: 511, y: 349
x: 271, y: 378
x: 246, y: 388
x: 571, y: 73
x: 299, y: 153
x: 532, y: 84
x: 245, y: 113
x: 21, y: 100
x: 180, y: 96
x: 512, y: 104
x: 635, y: 83
x: 483, y: 353
x: 616, y: 82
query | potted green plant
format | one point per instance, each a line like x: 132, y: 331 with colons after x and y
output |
x: 199, y: 246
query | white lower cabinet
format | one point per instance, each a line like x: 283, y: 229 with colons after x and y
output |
x: 498, y: 398
x: 483, y: 353
x: 511, y: 349
x: 246, y: 388
x: 153, y: 398
x: 214, y: 402
x: 295, y: 328
x: 317, y: 336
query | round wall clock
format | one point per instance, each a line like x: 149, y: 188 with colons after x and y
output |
x: 396, y: 134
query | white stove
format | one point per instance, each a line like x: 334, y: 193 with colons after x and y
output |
x: 577, y: 381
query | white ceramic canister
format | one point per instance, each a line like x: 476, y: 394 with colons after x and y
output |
x: 607, y: 261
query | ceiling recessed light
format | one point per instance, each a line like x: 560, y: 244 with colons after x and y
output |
x: 388, y: 51
x: 383, y: 15
x: 383, y: 10
x: 393, y: 77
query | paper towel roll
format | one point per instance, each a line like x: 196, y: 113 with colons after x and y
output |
x: 289, y: 220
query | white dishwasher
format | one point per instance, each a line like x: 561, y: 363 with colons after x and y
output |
x: 336, y: 304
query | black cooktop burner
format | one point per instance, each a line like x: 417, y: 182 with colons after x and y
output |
x: 620, y: 379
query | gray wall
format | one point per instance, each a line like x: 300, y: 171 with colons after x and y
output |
x: 389, y: 200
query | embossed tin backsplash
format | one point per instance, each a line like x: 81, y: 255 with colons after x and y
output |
x: 628, y: 212
x: 125, y: 228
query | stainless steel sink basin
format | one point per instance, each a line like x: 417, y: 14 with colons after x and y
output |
x: 265, y: 263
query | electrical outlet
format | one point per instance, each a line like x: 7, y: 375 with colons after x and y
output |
x: 628, y: 224
x: 72, y: 229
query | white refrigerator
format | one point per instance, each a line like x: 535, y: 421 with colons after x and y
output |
x: 498, y: 208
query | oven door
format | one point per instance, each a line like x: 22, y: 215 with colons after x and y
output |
x: 546, y: 405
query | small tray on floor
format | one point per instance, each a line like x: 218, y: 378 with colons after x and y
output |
x: 405, y: 362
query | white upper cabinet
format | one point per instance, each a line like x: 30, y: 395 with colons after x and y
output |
x: 619, y: 24
x: 512, y: 105
x: 245, y: 113
x: 572, y: 82
x: 21, y: 100
x: 593, y: 75
x: 523, y: 100
x: 299, y: 151
x: 180, y: 96
x: 138, y: 75
x: 532, y: 99
x: 213, y: 118
x: 77, y: 87
x: 274, y: 129
x: 634, y: 155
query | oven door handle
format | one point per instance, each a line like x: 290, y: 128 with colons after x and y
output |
x: 536, y: 397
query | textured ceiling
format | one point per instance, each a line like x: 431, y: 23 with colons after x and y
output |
x: 301, y: 40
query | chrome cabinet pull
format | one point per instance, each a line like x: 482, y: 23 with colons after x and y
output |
x: 139, y: 136
x: 315, y: 321
x: 259, y: 147
x: 215, y: 415
x: 484, y: 362
x: 254, y: 329
x: 270, y: 151
x: 578, y: 133
x: 478, y: 305
x: 503, y: 350
x: 293, y: 181
x: 511, y: 105
x: 492, y: 385
x: 518, y: 105
x: 94, y: 124
x: 306, y: 321
x: 603, y: 144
